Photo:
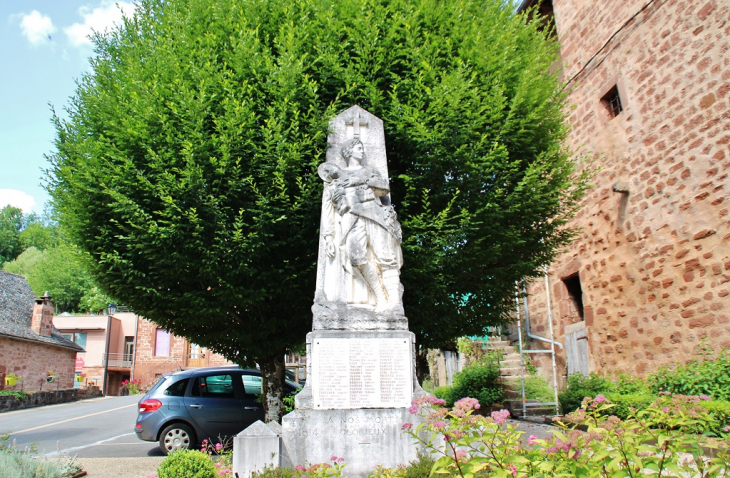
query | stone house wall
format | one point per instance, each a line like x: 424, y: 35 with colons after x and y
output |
x: 149, y: 367
x: 652, y: 258
x: 32, y: 360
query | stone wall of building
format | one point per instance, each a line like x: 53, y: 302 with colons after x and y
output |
x: 148, y: 367
x: 653, y: 254
x: 33, y: 360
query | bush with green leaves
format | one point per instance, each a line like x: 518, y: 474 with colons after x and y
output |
x: 625, y: 404
x: 581, y: 386
x: 664, y: 440
x: 537, y: 388
x: 706, y: 376
x: 187, y: 464
x: 16, y: 463
x: 479, y: 380
x: 16, y: 394
x: 274, y: 472
x: 418, y: 468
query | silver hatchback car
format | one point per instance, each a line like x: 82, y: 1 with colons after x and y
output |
x: 211, y: 403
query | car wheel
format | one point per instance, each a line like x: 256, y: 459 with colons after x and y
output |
x: 177, y: 436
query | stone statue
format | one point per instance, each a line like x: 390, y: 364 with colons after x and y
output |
x: 360, y: 254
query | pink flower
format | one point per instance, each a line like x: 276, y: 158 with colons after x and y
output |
x: 726, y: 429
x: 514, y: 470
x: 704, y: 397
x: 334, y: 458
x: 340, y: 460
x: 439, y: 425
x: 406, y: 426
x: 600, y: 398
x: 413, y: 409
x: 300, y: 468
x: 218, y: 447
x: 532, y: 440
x: 460, y: 454
x: 665, y: 409
x: 500, y: 417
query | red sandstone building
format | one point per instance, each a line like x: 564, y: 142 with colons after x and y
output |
x: 29, y: 344
x: 124, y: 346
x: 648, y: 277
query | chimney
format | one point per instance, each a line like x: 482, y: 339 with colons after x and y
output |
x: 42, y: 320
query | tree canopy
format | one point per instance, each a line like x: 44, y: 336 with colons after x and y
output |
x: 187, y: 165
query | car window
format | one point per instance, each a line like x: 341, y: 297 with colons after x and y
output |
x: 213, y: 386
x: 177, y: 389
x: 162, y: 380
x: 252, y: 385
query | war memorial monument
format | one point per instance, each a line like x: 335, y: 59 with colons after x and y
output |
x: 360, y: 354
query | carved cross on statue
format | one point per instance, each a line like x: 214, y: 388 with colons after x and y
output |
x: 356, y: 123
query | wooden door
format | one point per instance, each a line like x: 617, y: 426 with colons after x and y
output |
x: 576, y: 348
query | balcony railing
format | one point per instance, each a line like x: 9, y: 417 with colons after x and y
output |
x: 117, y: 360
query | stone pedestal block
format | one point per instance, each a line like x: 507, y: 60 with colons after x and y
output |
x: 256, y: 447
x: 365, y: 438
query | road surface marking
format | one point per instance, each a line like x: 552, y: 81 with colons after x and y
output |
x: 70, y: 420
x: 75, y: 448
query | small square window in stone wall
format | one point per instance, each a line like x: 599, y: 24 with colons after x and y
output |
x: 612, y: 102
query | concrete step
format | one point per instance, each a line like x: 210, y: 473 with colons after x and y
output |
x: 510, y: 371
x: 495, y: 344
x: 515, y: 408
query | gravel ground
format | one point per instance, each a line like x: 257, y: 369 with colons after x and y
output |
x: 143, y: 467
x: 120, y: 467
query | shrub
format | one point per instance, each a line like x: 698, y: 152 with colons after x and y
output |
x: 581, y: 386
x: 720, y: 411
x: 659, y: 441
x: 626, y: 402
x: 16, y: 463
x: 187, y: 464
x: 418, y: 468
x: 709, y: 377
x: 16, y: 394
x: 274, y: 472
x: 442, y: 392
x: 480, y: 381
x: 537, y: 388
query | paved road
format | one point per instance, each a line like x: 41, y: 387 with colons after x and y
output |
x: 96, y: 428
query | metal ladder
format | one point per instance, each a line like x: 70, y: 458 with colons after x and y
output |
x: 523, y: 351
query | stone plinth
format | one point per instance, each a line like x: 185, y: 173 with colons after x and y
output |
x: 360, y: 385
x: 365, y: 438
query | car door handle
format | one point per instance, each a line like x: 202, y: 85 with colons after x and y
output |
x: 196, y: 406
x: 250, y: 408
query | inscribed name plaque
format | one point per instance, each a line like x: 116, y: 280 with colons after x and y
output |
x: 361, y: 373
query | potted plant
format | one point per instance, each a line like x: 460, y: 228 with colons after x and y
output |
x: 50, y: 376
x: 80, y: 377
x: 12, y: 378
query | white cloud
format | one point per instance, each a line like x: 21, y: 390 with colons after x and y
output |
x: 98, y: 19
x: 16, y: 198
x: 37, y: 28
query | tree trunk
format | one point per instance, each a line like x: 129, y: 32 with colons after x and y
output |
x: 272, y: 373
x: 422, y: 369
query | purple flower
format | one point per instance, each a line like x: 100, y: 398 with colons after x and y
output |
x: 600, y: 398
x: 406, y: 426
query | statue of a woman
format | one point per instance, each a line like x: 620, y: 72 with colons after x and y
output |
x: 361, y: 233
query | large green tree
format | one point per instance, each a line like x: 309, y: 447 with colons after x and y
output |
x: 187, y: 165
x: 11, y: 223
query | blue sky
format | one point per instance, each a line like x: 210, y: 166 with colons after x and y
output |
x: 44, y: 50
